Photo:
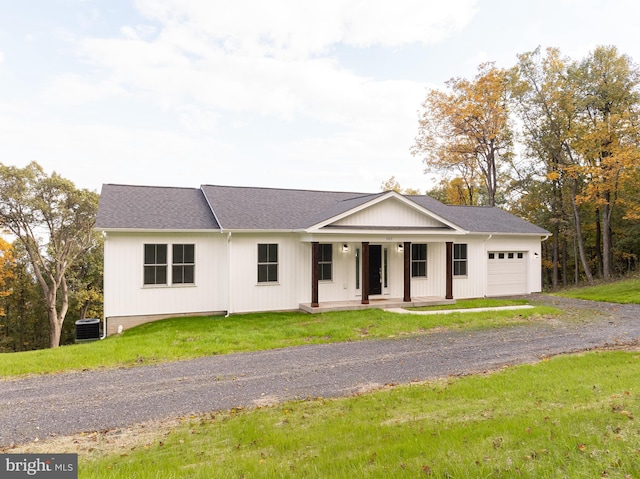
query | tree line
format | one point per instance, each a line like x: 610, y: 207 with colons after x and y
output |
x: 53, y: 265
x: 552, y: 139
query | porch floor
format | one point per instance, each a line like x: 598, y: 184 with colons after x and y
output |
x: 375, y: 303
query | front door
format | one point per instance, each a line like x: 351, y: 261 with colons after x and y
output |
x: 375, y: 269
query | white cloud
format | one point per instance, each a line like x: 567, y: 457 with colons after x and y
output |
x: 74, y: 89
x: 205, y: 64
x: 301, y: 29
x: 94, y: 154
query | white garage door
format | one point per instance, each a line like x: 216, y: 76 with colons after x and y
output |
x: 507, y: 273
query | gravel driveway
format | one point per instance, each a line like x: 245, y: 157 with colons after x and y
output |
x: 64, y: 404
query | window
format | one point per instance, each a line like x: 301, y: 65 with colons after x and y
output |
x: 459, y: 259
x: 155, y: 264
x: 183, y: 270
x: 520, y: 255
x: 492, y: 255
x: 267, y: 263
x: 419, y: 260
x: 510, y: 255
x: 325, y: 263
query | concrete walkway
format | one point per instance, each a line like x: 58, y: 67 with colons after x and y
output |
x: 449, y: 311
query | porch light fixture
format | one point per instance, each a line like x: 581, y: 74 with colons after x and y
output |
x: 345, y: 248
x: 400, y: 247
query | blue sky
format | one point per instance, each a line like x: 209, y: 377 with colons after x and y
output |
x: 278, y: 93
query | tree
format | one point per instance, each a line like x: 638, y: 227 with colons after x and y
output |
x: 6, y: 270
x: 466, y: 132
x: 54, y: 222
x: 607, y: 135
x: 546, y: 99
x: 458, y: 191
x: 392, y: 185
x: 85, y: 282
x: 24, y: 326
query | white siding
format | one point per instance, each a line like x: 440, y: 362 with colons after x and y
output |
x: 471, y: 285
x: 390, y: 213
x: 435, y: 282
x: 230, y: 283
x: 126, y: 295
x: 293, y: 263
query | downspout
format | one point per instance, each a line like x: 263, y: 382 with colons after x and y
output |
x: 104, y: 317
x: 228, y: 274
x: 104, y: 327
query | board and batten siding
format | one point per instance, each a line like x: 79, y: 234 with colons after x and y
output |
x: 391, y: 213
x: 294, y: 273
x: 471, y: 285
x: 126, y: 295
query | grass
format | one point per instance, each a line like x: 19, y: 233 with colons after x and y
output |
x: 474, y: 303
x: 626, y: 291
x: 571, y: 416
x: 186, y: 338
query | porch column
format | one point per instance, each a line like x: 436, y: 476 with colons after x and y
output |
x: 449, y: 294
x: 315, y: 259
x: 407, y: 272
x: 365, y: 272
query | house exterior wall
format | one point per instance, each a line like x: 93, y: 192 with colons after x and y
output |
x: 126, y: 295
x: 226, y: 273
x: 294, y: 273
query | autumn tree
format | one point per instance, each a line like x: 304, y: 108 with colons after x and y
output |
x: 53, y: 220
x: 392, y: 185
x: 6, y: 270
x: 24, y: 326
x: 607, y: 135
x: 545, y: 99
x: 459, y: 191
x: 465, y: 132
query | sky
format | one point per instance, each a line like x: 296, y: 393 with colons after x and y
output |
x: 279, y: 93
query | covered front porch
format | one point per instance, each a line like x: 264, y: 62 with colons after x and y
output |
x: 383, y: 275
x: 374, y: 303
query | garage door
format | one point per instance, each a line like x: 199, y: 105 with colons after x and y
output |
x: 507, y: 273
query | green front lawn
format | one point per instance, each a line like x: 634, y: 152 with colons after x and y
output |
x: 185, y: 338
x: 572, y: 416
x: 626, y: 291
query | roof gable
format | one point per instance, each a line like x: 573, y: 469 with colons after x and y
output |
x: 386, y: 211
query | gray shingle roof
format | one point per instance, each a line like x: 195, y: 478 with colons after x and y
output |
x: 249, y: 208
x: 480, y: 219
x: 153, y: 208
x: 277, y: 209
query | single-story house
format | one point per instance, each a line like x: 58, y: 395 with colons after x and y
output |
x: 221, y: 249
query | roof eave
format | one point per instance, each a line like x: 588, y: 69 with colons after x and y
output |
x: 316, y: 228
x: 156, y: 230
